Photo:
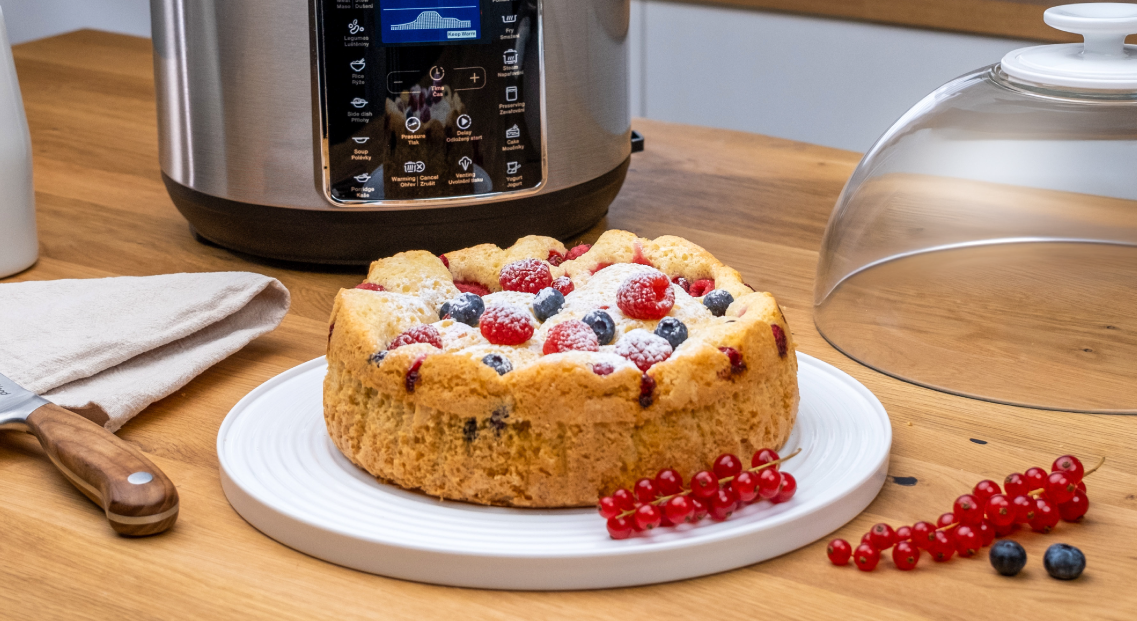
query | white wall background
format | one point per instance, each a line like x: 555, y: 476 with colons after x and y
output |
x: 828, y: 82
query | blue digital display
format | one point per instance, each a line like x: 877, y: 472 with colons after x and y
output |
x: 430, y: 21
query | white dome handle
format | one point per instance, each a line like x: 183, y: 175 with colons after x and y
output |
x: 1104, y: 24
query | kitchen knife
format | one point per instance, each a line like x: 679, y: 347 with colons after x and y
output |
x: 137, y: 497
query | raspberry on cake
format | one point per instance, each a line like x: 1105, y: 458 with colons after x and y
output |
x: 541, y: 376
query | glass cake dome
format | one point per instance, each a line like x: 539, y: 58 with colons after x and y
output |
x: 986, y: 245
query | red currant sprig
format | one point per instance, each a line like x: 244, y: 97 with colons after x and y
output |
x: 717, y: 493
x: 1035, y: 498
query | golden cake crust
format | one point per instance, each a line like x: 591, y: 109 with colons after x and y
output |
x: 552, y: 432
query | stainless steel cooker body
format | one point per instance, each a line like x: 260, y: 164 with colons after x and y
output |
x: 337, y: 130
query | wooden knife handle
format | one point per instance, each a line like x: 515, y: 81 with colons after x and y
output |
x: 137, y: 497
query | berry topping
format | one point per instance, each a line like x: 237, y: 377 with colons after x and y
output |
x: 602, y: 324
x: 570, y: 336
x: 564, y: 285
x: 905, y: 556
x: 555, y: 258
x: 418, y: 334
x: 1064, y: 562
x: 646, y: 295
x: 413, y: 375
x: 548, y: 303
x: 683, y: 283
x: 717, y: 301
x: 643, y: 348
x: 779, y: 338
x: 370, y: 286
x: 699, y: 288
x: 638, y: 255
x: 466, y: 308
x: 526, y: 275
x: 506, y: 325
x: 1008, y: 557
x: 377, y: 358
x: 603, y: 368
x: 471, y: 287
x: 647, y: 390
x: 601, y: 266
x: 736, y: 364
x: 576, y: 251
x: 444, y: 260
x: 866, y: 557
x: 498, y: 363
x: 444, y: 310
x: 839, y: 551
x: 1070, y: 465
x: 673, y: 330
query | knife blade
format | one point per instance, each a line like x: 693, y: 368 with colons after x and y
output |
x: 136, y: 495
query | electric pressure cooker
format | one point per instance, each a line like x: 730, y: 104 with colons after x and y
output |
x: 338, y: 131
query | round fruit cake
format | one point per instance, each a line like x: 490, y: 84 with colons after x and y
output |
x: 540, y: 376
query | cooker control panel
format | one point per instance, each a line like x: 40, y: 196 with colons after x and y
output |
x: 430, y: 99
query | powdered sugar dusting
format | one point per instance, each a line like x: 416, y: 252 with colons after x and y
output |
x: 643, y: 348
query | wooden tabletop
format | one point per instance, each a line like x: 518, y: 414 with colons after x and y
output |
x: 758, y: 203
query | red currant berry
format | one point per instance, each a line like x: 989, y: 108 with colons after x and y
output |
x: 867, y: 538
x: 370, y: 286
x: 647, y: 517
x: 576, y: 251
x: 904, y: 533
x: 746, y: 486
x: 839, y: 551
x: 419, y: 334
x: 506, y: 325
x: 624, y: 499
x: 967, y: 510
x: 1003, y: 531
x: 1024, y: 509
x: 668, y: 482
x: 881, y: 536
x: 570, y: 335
x: 1073, y: 509
x: 702, y: 287
x: 986, y: 532
x: 1071, y: 466
x: 1015, y: 485
x: 762, y: 457
x: 984, y: 490
x: 946, y: 519
x: 727, y: 465
x: 646, y: 295
x: 608, y: 507
x: 1000, y: 510
x: 564, y: 285
x: 787, y: 490
x: 769, y: 480
x: 704, y: 485
x: 866, y: 557
x: 1081, y: 486
x: 621, y: 527
x: 1035, y: 478
x: 943, y: 548
x: 1046, y: 516
x: 644, y: 490
x: 1060, y: 488
x: 698, y: 509
x: 905, y: 556
x: 723, y: 504
x: 526, y: 275
x: 967, y: 541
x: 679, y: 509
x: 923, y: 534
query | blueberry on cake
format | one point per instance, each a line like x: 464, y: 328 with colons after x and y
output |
x: 542, y: 376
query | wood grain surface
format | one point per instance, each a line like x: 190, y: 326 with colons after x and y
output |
x: 758, y: 203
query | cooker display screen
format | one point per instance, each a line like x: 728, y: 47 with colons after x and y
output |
x: 430, y: 21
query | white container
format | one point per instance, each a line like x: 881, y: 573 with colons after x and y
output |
x: 18, y: 245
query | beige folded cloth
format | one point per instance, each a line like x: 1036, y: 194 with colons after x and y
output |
x: 109, y: 347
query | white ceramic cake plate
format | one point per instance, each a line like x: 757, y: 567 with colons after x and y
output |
x: 283, y: 474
